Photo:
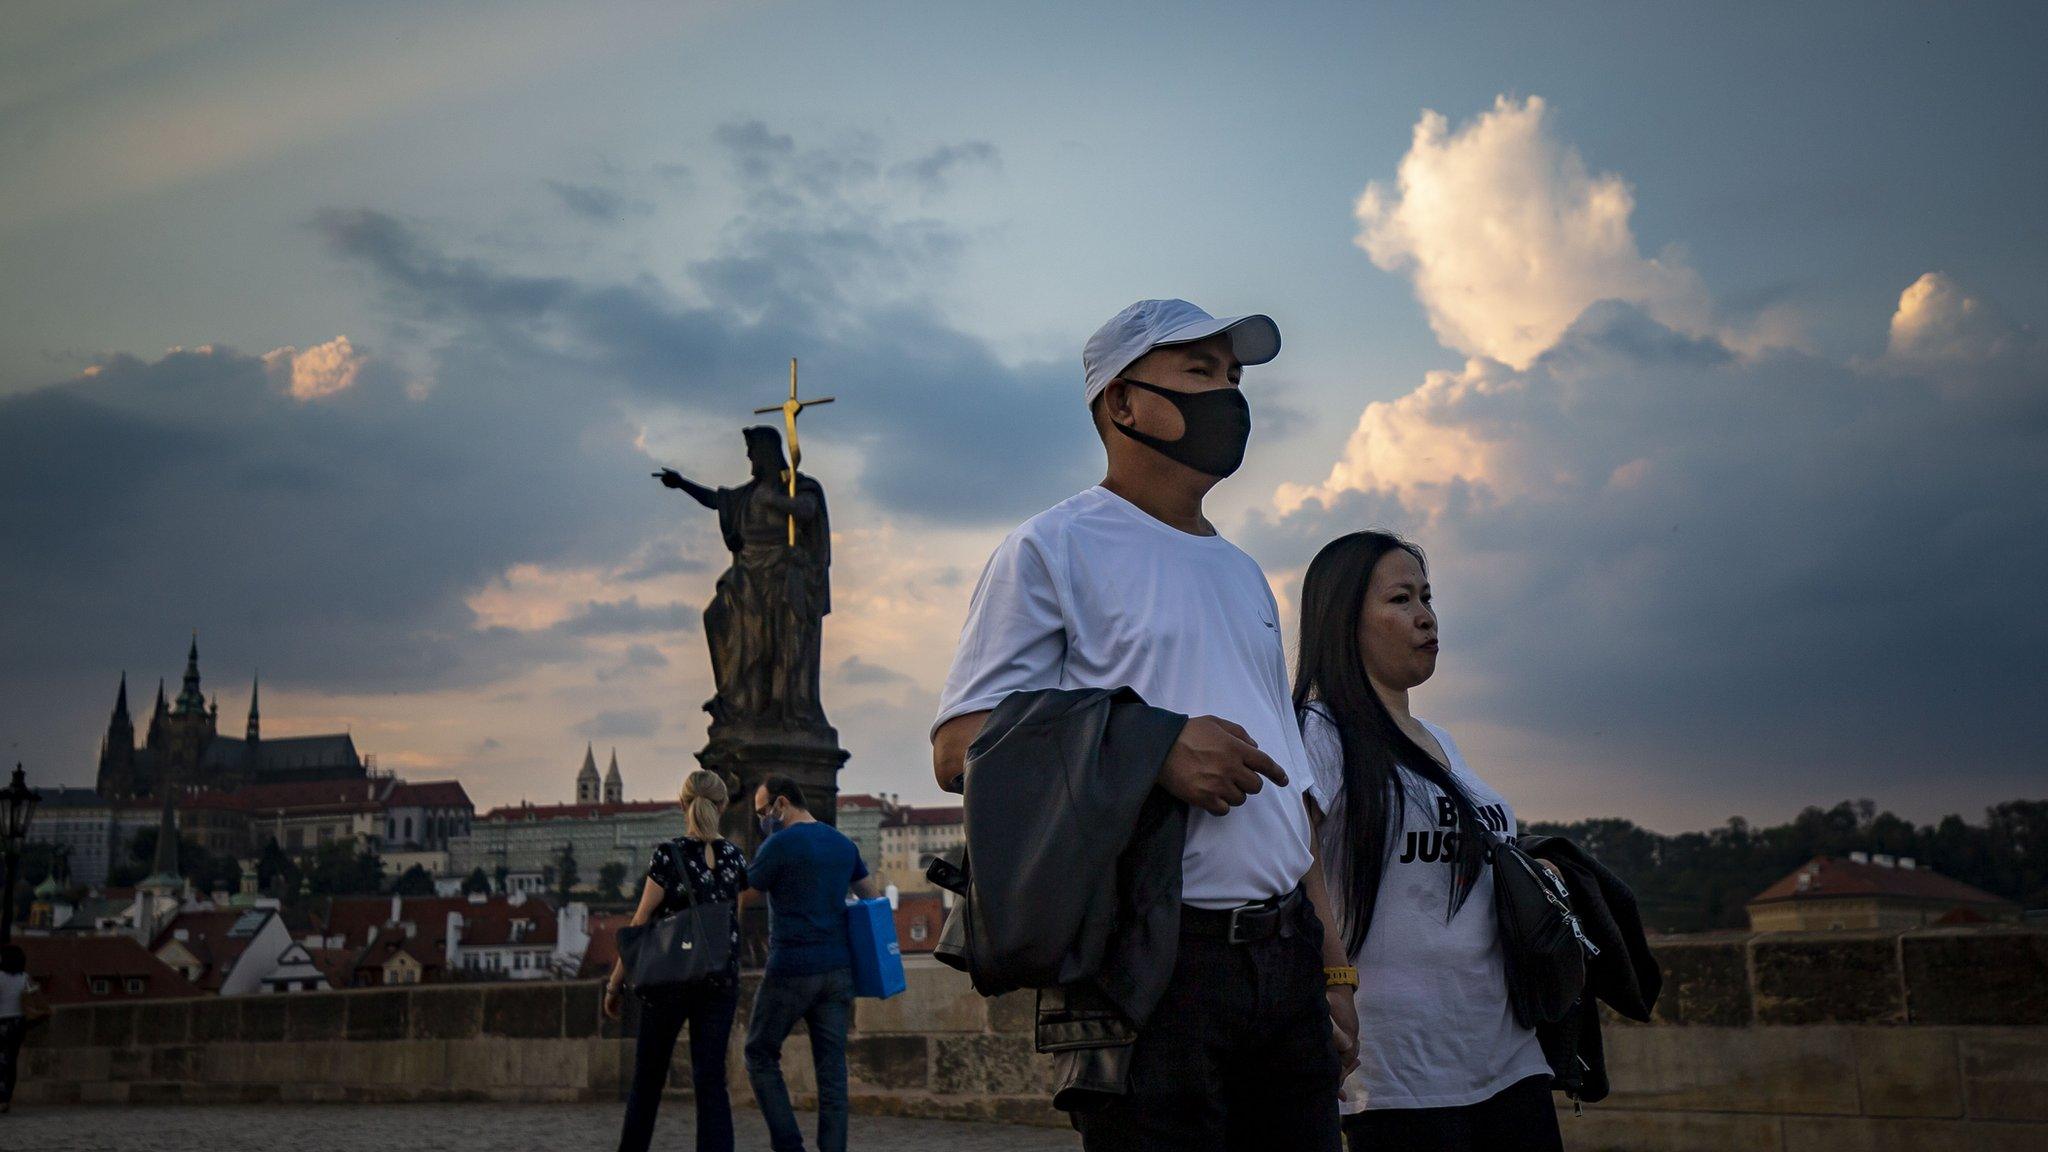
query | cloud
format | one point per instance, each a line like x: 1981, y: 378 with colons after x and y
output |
x: 595, y: 203
x: 621, y: 724
x: 319, y: 371
x: 1508, y: 237
x: 854, y: 670
x: 637, y: 660
x: 933, y: 172
x: 1936, y: 320
x: 1675, y: 578
x: 819, y: 264
x: 628, y: 617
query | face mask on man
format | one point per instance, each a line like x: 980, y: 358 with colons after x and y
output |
x: 1216, y: 426
x: 770, y: 822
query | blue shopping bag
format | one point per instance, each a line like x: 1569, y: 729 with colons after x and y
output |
x: 877, y: 962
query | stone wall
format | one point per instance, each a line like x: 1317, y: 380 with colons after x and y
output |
x: 1922, y: 1039
x: 937, y: 1050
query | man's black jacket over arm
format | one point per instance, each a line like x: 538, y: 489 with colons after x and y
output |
x: 1073, y: 850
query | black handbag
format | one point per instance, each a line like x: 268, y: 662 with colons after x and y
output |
x: 1543, y: 947
x: 687, y: 947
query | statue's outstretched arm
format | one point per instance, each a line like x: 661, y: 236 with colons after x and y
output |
x: 670, y: 478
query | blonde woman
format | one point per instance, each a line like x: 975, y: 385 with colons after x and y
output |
x: 705, y: 865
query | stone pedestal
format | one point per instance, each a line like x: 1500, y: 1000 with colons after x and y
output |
x: 745, y: 757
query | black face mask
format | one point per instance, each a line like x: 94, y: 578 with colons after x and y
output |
x: 1216, y: 426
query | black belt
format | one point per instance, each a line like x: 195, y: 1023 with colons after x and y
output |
x: 1244, y: 924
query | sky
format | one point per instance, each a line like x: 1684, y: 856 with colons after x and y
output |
x: 1700, y: 346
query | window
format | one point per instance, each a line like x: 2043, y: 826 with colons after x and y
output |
x: 101, y: 985
x: 408, y: 828
x: 917, y: 930
x: 295, y: 838
x: 135, y: 985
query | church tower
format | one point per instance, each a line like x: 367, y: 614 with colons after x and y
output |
x: 586, y: 780
x: 614, y: 787
x: 159, y: 737
x: 117, y: 750
x: 191, y: 725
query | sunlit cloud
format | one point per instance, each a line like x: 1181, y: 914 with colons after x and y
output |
x: 1508, y: 236
x: 322, y: 370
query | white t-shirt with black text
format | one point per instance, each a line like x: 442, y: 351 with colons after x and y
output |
x: 1434, y: 1026
x: 1096, y: 593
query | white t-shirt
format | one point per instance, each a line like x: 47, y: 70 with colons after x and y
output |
x: 1434, y: 1026
x: 12, y: 985
x: 1095, y: 593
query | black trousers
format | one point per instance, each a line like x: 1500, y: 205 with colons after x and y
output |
x: 12, y: 1030
x: 1238, y: 1055
x: 1518, y: 1118
x: 708, y: 1010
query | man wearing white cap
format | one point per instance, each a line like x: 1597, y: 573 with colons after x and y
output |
x: 1128, y: 584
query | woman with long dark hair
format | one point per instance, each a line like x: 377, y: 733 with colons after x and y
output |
x: 1442, y: 1062
x: 704, y: 866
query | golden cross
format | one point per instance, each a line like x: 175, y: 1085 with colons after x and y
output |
x: 791, y: 409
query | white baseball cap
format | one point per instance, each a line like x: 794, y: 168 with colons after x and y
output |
x: 1150, y: 324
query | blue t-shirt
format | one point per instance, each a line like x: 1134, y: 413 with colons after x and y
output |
x: 806, y: 869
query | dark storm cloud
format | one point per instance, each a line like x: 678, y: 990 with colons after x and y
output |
x: 336, y: 542
x: 817, y: 269
x: 1771, y: 565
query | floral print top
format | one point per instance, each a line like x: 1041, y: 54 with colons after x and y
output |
x: 681, y: 860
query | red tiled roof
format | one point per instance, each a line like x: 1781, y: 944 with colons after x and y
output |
x: 432, y: 794
x: 208, y: 938
x: 925, y: 908
x: 337, y: 964
x: 1833, y: 878
x: 576, y: 811
x: 484, y: 925
x: 860, y: 800
x: 924, y: 817
x: 380, y: 952
x: 313, y: 795
x: 604, y: 944
x: 64, y: 967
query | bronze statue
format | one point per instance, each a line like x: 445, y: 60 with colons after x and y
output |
x: 765, y: 620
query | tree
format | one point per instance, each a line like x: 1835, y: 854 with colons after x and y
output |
x: 337, y: 869
x: 415, y: 882
x: 208, y: 872
x: 477, y: 882
x: 565, y: 870
x: 276, y: 872
x: 609, y: 878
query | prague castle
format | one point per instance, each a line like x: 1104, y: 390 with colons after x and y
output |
x: 184, y: 745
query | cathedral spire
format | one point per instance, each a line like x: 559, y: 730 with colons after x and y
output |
x: 614, y: 786
x: 191, y: 700
x: 163, y: 873
x: 255, y: 685
x: 157, y: 716
x: 121, y: 704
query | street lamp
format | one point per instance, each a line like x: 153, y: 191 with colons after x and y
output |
x: 17, y: 807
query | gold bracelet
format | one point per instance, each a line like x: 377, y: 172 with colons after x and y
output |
x: 1341, y: 977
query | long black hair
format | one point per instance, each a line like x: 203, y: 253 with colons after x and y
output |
x: 1329, y: 674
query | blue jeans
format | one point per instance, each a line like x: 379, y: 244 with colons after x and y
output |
x: 708, y: 1009
x: 824, y: 1002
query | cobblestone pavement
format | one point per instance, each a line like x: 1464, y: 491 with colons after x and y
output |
x: 455, y: 1128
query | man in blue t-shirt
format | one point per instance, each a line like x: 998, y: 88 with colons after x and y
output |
x: 806, y: 868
